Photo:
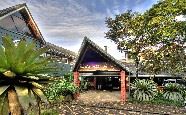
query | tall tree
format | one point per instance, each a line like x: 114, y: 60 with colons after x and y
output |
x: 155, y: 35
x: 128, y: 31
x: 169, y: 35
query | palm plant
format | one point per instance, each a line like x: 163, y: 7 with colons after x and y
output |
x: 173, y: 91
x: 21, y: 69
x: 144, y: 90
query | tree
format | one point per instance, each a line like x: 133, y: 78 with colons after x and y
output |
x: 169, y: 35
x: 129, y: 32
x: 20, y: 71
x: 155, y: 35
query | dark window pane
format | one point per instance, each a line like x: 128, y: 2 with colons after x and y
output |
x: 17, y: 14
x: 8, y: 24
x: 21, y: 25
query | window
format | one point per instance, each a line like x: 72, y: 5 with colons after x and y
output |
x: 8, y: 24
x: 21, y: 25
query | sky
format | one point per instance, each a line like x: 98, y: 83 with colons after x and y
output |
x: 66, y: 22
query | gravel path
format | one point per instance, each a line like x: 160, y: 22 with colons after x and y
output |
x: 107, y: 103
x: 96, y: 96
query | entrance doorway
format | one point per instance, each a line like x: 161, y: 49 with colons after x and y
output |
x: 101, y: 83
x: 108, y: 83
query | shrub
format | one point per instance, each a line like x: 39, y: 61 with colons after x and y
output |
x: 173, y: 91
x: 50, y: 112
x: 69, y: 77
x: 60, y: 88
x: 144, y: 90
x: 159, y: 99
x: 21, y: 70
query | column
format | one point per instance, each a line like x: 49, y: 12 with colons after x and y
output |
x: 76, y: 82
x: 95, y: 82
x: 76, y: 79
x: 123, y: 87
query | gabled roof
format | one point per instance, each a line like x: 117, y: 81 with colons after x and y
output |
x: 61, y: 50
x: 87, y: 42
x: 9, y: 11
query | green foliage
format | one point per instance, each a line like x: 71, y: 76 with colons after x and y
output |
x: 24, y: 58
x: 173, y: 91
x: 155, y: 35
x: 50, y: 112
x: 21, y: 68
x: 144, y: 90
x: 60, y: 88
x: 128, y: 31
x: 69, y: 77
x: 159, y: 100
x: 183, y: 91
x: 4, y: 104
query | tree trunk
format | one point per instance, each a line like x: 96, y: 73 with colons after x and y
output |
x: 14, y: 104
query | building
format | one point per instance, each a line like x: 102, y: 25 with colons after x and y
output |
x: 60, y: 54
x: 99, y: 68
x: 17, y: 22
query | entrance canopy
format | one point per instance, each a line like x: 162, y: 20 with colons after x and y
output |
x: 96, y: 64
x: 92, y: 58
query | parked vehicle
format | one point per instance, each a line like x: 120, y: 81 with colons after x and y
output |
x: 179, y: 81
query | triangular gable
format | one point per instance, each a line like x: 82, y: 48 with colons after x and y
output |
x: 11, y: 10
x: 86, y: 44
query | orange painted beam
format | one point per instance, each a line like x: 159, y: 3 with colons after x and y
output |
x: 76, y: 82
x: 123, y: 86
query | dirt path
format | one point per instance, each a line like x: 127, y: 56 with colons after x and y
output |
x: 96, y: 96
x: 108, y: 103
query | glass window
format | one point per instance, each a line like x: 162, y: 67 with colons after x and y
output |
x: 17, y: 14
x: 8, y: 24
x: 21, y: 25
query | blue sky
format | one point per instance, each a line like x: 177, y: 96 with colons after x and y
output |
x: 66, y: 22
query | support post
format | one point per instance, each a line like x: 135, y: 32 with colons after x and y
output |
x: 123, y: 86
x: 95, y: 83
x: 76, y: 82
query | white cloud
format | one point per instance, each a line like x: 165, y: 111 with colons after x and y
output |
x: 66, y: 22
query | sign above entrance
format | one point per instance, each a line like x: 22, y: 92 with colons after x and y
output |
x: 94, y: 66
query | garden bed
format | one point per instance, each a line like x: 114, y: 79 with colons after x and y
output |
x: 79, y: 107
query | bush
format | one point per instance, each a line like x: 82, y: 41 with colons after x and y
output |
x: 50, y: 112
x: 144, y: 90
x: 60, y: 88
x: 159, y: 99
x: 173, y: 91
x: 69, y: 77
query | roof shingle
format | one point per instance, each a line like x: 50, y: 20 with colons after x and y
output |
x: 10, y: 9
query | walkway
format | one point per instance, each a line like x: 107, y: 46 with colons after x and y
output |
x: 96, y: 96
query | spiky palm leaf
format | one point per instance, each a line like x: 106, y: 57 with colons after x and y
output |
x: 173, y: 91
x: 20, y: 68
x: 144, y: 90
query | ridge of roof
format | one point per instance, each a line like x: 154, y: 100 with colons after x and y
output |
x: 50, y: 45
x: 87, y: 40
x: 10, y: 9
